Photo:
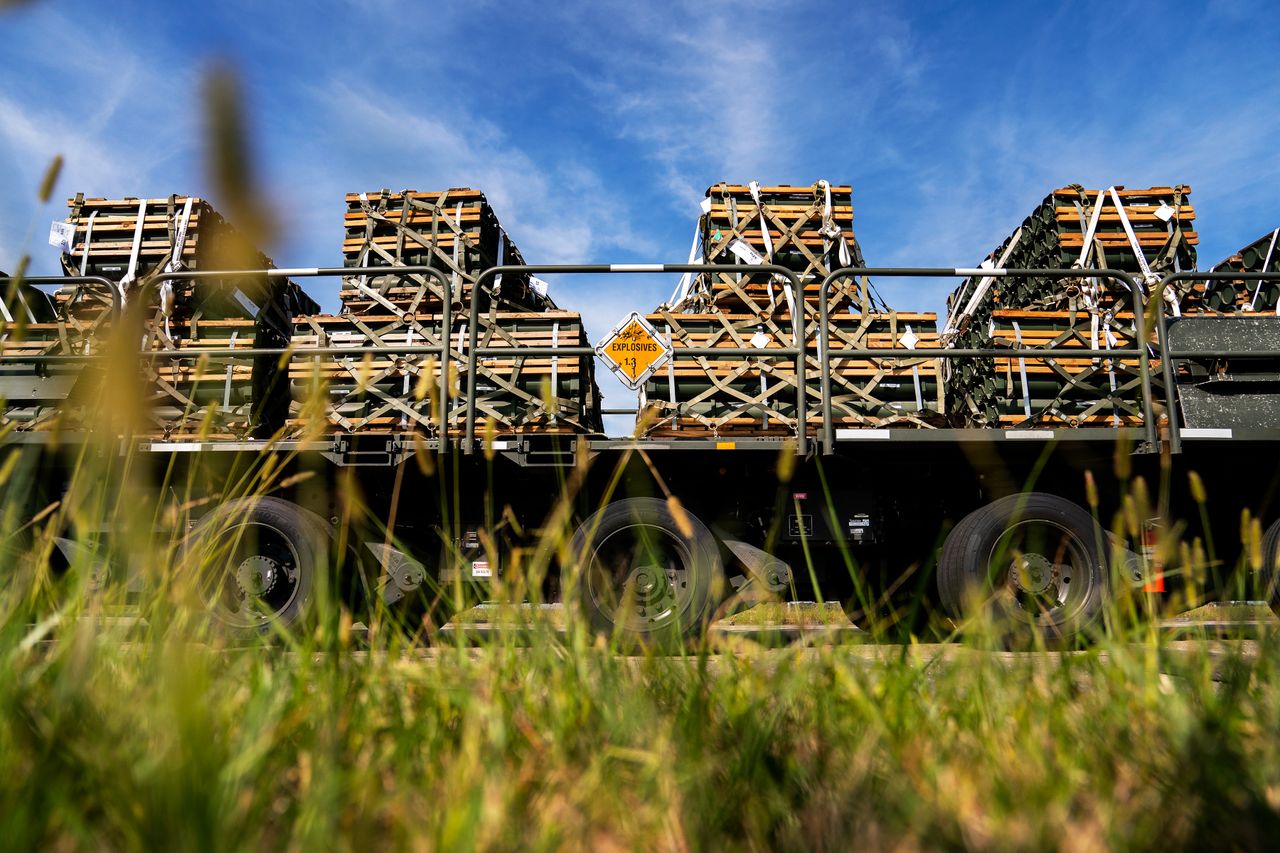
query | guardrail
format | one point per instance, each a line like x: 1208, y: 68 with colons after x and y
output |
x: 1167, y: 356
x: 825, y: 357
x: 799, y: 350
x: 441, y: 349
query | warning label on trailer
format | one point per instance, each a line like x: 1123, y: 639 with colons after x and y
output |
x: 633, y: 350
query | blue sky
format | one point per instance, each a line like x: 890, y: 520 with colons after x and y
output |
x: 594, y: 127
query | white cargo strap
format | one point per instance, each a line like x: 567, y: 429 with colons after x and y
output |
x: 1253, y: 303
x: 980, y: 290
x: 404, y: 385
x: 555, y: 371
x: 226, y: 390
x: 167, y: 297
x: 8, y: 318
x: 1112, y: 341
x: 909, y: 340
x: 364, y: 250
x: 1091, y: 230
x: 1022, y: 369
x: 671, y: 379
x: 1149, y: 278
x: 88, y: 238
x: 497, y: 279
x: 754, y: 187
x: 131, y: 272
x: 686, y: 280
x: 457, y: 245
x: 830, y: 231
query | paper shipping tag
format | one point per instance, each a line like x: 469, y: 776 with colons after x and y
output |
x: 62, y: 235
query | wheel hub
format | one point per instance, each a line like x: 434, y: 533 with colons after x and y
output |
x: 1032, y: 573
x: 257, y: 575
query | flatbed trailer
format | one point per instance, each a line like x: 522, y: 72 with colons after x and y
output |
x: 653, y: 537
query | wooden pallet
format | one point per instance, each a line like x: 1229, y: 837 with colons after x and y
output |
x: 397, y: 391
x: 103, y: 244
x: 455, y: 231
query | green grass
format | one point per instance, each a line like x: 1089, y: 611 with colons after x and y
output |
x: 562, y: 743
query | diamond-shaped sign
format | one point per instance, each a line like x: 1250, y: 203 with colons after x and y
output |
x: 633, y: 350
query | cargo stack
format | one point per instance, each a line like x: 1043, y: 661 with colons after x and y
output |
x: 809, y: 230
x: 457, y: 232
x: 32, y: 394
x: 1240, y: 296
x: 133, y: 243
x: 1145, y: 232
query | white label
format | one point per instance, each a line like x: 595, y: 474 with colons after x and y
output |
x: 745, y: 252
x: 247, y: 303
x: 62, y: 235
x: 759, y: 340
x: 480, y: 569
x: 705, y: 205
x: 1165, y: 211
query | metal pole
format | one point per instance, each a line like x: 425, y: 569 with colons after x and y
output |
x: 116, y: 305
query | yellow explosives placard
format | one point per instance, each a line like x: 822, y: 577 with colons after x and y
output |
x: 633, y: 350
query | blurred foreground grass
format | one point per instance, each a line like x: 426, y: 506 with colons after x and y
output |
x: 560, y: 742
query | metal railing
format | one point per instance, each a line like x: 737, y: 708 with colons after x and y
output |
x: 795, y: 351
x: 1167, y: 355
x: 441, y: 350
x: 798, y: 351
x: 105, y: 283
x: 825, y: 357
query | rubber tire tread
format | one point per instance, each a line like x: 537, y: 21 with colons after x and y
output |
x: 307, y: 532
x: 961, y: 562
x: 706, y: 575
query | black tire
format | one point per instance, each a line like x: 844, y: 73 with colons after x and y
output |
x: 258, y: 560
x: 634, y: 554
x: 1035, y: 560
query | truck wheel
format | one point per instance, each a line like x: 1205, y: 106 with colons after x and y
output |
x: 646, y: 576
x: 1034, y: 559
x: 258, y: 559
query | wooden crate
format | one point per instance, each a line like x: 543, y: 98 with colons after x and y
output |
x: 139, y: 239
x: 746, y: 395
x: 392, y: 391
x: 454, y: 230
x: 1239, y: 296
x: 1054, y: 236
x: 792, y: 226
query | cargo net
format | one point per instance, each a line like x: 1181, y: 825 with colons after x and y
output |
x: 390, y: 390
x: 134, y: 243
x: 1147, y: 233
x: 808, y: 230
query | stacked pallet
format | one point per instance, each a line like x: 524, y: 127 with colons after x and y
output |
x: 1240, y: 296
x: 133, y: 243
x: 392, y: 391
x: 758, y: 396
x: 808, y: 230
x: 1144, y: 232
x: 455, y: 231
